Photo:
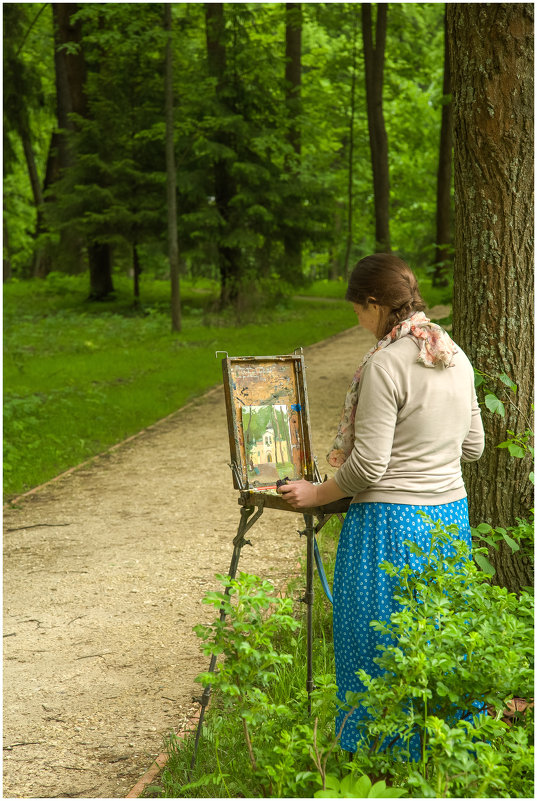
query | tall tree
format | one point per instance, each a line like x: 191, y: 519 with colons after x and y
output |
x: 492, y: 76
x: 378, y: 139
x: 70, y: 74
x: 292, y: 239
x: 352, y: 116
x: 173, y: 245
x: 442, y: 259
x: 229, y: 256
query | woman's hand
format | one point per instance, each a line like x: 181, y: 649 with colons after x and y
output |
x: 299, y: 494
x: 303, y: 494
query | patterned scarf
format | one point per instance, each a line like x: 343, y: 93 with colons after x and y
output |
x: 435, y: 347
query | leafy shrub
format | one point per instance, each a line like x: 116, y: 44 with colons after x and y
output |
x: 460, y: 645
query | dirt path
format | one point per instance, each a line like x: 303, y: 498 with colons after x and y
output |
x: 103, y: 581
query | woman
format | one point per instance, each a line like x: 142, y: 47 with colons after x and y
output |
x: 410, y: 416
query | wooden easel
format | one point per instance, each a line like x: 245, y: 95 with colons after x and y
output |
x: 287, y: 383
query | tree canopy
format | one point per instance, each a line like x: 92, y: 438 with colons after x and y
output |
x: 269, y: 166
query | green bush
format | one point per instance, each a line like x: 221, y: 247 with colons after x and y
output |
x: 460, y: 646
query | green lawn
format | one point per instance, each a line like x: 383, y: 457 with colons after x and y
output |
x: 79, y: 377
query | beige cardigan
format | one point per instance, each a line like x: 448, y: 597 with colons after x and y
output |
x: 413, y: 426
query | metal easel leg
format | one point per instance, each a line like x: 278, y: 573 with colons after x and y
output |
x: 245, y: 524
x: 308, y: 600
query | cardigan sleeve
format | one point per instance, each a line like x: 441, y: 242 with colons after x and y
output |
x: 371, y: 454
x: 474, y: 442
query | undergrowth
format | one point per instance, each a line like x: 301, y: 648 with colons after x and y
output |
x: 460, y: 647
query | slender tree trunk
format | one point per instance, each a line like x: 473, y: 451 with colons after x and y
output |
x: 6, y: 255
x: 442, y: 259
x: 492, y: 74
x: 378, y: 139
x: 48, y: 252
x: 350, y: 185
x: 136, y: 269
x: 224, y: 185
x: 171, y: 189
x: 41, y: 265
x: 335, y: 250
x: 292, y: 238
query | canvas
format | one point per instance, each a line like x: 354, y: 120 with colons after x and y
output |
x: 268, y: 420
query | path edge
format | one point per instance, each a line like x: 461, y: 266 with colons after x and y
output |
x: 156, y: 424
x: 213, y: 390
x: 159, y: 763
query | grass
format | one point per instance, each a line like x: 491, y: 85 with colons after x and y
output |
x: 80, y: 377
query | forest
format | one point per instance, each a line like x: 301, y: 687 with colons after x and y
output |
x: 185, y: 177
x: 271, y: 121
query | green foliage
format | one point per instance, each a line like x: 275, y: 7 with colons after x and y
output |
x: 460, y: 645
x: 361, y: 787
x: 114, y: 191
x: 519, y: 446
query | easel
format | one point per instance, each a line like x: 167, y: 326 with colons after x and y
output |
x: 254, y: 503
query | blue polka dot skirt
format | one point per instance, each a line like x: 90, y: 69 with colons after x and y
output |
x: 373, y: 533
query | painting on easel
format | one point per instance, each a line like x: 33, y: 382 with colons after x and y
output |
x: 268, y: 420
x: 268, y: 447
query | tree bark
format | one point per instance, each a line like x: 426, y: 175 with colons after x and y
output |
x: 442, y: 259
x: 378, y: 139
x: 136, y: 270
x: 350, y: 180
x: 229, y: 258
x: 292, y: 238
x: 492, y: 74
x: 43, y: 260
x: 70, y: 75
x: 171, y: 189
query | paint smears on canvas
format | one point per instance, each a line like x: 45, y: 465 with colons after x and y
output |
x: 270, y: 451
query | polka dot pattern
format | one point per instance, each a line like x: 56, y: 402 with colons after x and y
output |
x: 373, y: 533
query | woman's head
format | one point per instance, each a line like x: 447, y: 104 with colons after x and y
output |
x: 385, y: 281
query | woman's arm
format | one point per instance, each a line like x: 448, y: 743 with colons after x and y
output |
x: 302, y: 494
x: 474, y: 442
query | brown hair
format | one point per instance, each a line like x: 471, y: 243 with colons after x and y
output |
x: 387, y: 280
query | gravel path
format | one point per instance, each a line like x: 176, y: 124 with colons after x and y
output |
x: 104, y: 572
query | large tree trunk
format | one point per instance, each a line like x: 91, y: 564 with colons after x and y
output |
x: 442, y: 259
x: 378, y: 139
x: 224, y: 185
x: 292, y: 240
x: 173, y: 244
x: 70, y: 65
x: 492, y: 76
x: 41, y: 260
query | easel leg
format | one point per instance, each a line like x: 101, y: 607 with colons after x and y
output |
x: 308, y: 599
x: 246, y: 522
